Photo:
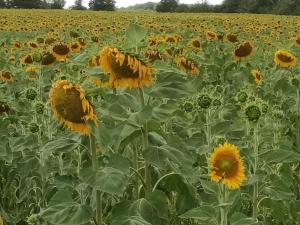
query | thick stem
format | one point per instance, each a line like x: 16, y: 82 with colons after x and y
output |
x: 223, y: 208
x: 255, y: 185
x: 136, y: 167
x: 98, y: 194
x: 145, y: 146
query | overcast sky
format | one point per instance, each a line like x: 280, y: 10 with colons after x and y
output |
x: 125, y: 3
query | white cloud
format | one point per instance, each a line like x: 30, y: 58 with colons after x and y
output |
x: 125, y: 3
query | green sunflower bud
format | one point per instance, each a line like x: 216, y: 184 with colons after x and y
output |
x: 39, y: 107
x: 204, y: 101
x: 264, y: 108
x: 296, y: 82
x: 242, y: 97
x: 188, y: 106
x: 217, y: 103
x: 31, y: 94
x: 253, y: 113
x: 34, y: 128
x: 37, y: 57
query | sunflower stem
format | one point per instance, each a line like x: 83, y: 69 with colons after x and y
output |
x: 223, y: 208
x: 98, y: 194
x: 145, y: 146
x: 255, y: 185
x: 136, y: 167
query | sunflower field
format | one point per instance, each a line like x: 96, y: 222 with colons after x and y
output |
x: 110, y: 118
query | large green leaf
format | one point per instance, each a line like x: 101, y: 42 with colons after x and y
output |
x: 139, y: 212
x: 239, y: 218
x: 203, y: 213
x: 134, y: 35
x: 109, y: 180
x: 63, y: 210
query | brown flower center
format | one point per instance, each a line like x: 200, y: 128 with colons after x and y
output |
x: 196, y: 44
x: 48, y: 59
x: 61, y: 49
x: 6, y: 75
x: 33, y: 45
x: 232, y: 38
x: 298, y: 40
x: 123, y: 71
x: 243, y: 50
x: 28, y: 59
x: 68, y: 104
x: 3, y: 108
x: 284, y: 58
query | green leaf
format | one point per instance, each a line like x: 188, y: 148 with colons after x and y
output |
x: 202, y: 213
x: 281, y: 156
x: 63, y: 210
x: 109, y: 180
x: 139, y: 212
x: 239, y: 218
x: 134, y: 35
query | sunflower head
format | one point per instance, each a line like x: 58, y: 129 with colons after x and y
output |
x: 227, y: 166
x: 232, y: 38
x: 257, y: 76
x: 6, y: 76
x: 243, y: 51
x: 211, y: 36
x: 17, y: 45
x: 75, y: 47
x: 27, y: 59
x: 94, y: 61
x: 297, y: 41
x: 48, y: 58
x: 285, y: 59
x: 61, y: 51
x: 187, y: 65
x: 32, y: 44
x: 4, y: 108
x: 153, y: 55
x: 71, y: 107
x: 124, y: 70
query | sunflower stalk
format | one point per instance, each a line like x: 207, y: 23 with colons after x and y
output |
x: 145, y: 146
x: 98, y: 194
x: 223, y: 201
x: 255, y: 185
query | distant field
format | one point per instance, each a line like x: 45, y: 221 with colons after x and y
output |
x: 149, y: 119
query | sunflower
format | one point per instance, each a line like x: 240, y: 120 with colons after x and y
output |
x: 82, y: 42
x: 32, y: 44
x: 153, y: 55
x: 211, y: 36
x: 285, y: 59
x: 48, y: 58
x: 61, y: 51
x: 232, y: 38
x: 4, y: 108
x: 6, y: 76
x: 75, y: 47
x: 71, y: 107
x: 124, y: 70
x: 27, y: 59
x: 297, y: 41
x: 94, y: 61
x: 17, y: 45
x: 257, y: 76
x: 227, y: 166
x: 31, y: 69
x: 243, y: 51
x: 187, y: 65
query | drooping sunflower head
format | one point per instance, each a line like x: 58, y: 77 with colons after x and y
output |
x: 82, y: 42
x: 153, y: 55
x: 17, y: 45
x: 94, y: 61
x: 71, y: 107
x: 124, y: 70
x: 75, y: 47
x: 27, y: 59
x: 6, y: 76
x: 32, y: 44
x: 232, y: 38
x: 227, y: 166
x: 285, y: 59
x: 61, y: 51
x: 187, y: 65
x: 48, y: 58
x: 31, y: 69
x: 196, y: 44
x: 257, y: 76
x: 211, y: 36
x: 243, y: 51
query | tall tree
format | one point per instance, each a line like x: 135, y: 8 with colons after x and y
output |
x: 106, y: 5
x: 167, y: 6
x: 78, y: 5
x: 24, y: 4
x: 57, y: 4
x: 2, y: 4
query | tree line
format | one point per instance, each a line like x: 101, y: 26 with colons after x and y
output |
x: 108, y: 5
x: 284, y: 7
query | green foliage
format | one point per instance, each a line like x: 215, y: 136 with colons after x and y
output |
x: 167, y: 6
x: 105, y: 5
